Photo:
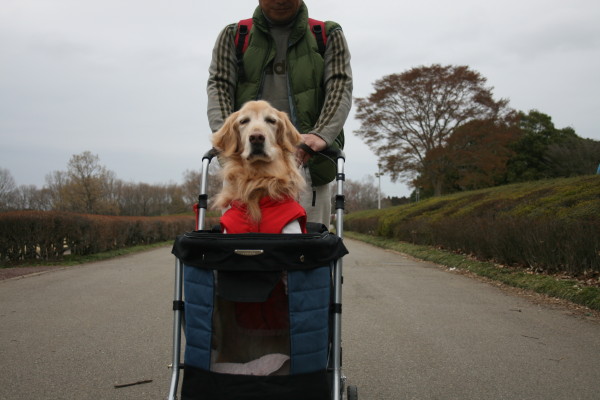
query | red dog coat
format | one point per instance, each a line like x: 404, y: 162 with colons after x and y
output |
x: 276, y: 214
x: 271, y: 315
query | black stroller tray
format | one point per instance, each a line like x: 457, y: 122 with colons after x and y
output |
x: 258, y: 251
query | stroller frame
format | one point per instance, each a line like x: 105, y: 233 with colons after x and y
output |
x: 338, y: 381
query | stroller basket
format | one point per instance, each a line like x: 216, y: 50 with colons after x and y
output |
x: 242, y: 269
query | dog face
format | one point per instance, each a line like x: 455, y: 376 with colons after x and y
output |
x: 258, y: 146
x: 257, y: 132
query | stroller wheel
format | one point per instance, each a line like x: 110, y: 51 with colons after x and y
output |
x: 352, y: 393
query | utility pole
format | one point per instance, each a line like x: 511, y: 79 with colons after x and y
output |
x: 378, y: 175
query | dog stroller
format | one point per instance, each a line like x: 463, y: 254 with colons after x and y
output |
x: 262, y: 312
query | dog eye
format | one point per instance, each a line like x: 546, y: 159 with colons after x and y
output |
x: 270, y: 120
x: 244, y: 121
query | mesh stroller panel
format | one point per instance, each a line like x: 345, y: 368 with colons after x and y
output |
x: 309, y: 304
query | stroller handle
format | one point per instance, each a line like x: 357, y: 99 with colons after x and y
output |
x: 330, y: 152
x: 334, y: 154
x: 209, y: 155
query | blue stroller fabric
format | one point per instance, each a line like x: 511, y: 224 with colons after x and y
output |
x: 306, y: 262
x: 198, y: 286
x: 309, y: 300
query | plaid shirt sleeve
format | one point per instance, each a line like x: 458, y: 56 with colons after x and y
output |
x: 222, y: 78
x: 338, y: 88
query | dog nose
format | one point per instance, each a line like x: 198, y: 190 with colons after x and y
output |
x: 257, y: 138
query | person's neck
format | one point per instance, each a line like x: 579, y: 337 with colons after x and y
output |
x: 282, y: 24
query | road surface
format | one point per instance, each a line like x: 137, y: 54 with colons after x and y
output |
x: 411, y: 330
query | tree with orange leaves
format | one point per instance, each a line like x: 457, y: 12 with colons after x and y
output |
x: 475, y: 155
x: 414, y: 113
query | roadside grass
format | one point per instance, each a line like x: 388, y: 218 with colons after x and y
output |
x: 71, y: 260
x: 554, y: 286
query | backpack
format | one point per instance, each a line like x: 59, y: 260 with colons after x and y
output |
x: 242, y: 37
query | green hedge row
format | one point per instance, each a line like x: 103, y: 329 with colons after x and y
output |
x: 48, y: 235
x: 551, y: 226
x: 547, y: 245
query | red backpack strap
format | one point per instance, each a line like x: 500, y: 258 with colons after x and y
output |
x: 241, y: 44
x: 318, y: 29
x: 244, y: 26
x: 242, y: 35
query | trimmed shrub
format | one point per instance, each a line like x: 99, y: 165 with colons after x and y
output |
x: 47, y: 235
x: 551, y: 226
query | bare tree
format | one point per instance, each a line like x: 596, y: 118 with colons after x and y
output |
x: 360, y: 195
x: 86, y: 190
x: 25, y: 196
x: 475, y: 155
x: 40, y: 199
x: 7, y: 189
x: 413, y: 113
x: 88, y: 187
x: 55, y: 184
x: 192, y: 182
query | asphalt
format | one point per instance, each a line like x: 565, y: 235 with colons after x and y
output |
x: 416, y: 331
x: 411, y: 330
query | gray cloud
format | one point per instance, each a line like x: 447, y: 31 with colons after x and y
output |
x: 126, y: 80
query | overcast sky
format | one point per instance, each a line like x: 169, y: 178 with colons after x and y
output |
x: 126, y: 79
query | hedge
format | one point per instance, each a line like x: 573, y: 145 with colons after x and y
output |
x: 48, y: 235
x: 551, y: 226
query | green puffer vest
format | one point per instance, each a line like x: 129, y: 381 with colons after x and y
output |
x: 305, y: 74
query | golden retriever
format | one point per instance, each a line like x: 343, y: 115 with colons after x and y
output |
x: 257, y: 145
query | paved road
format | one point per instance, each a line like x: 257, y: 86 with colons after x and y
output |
x: 411, y: 331
x: 414, y: 331
x: 75, y: 333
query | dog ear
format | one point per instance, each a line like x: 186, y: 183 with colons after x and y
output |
x: 288, y: 136
x: 227, y: 139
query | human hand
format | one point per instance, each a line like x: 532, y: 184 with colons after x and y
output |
x: 314, y: 142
